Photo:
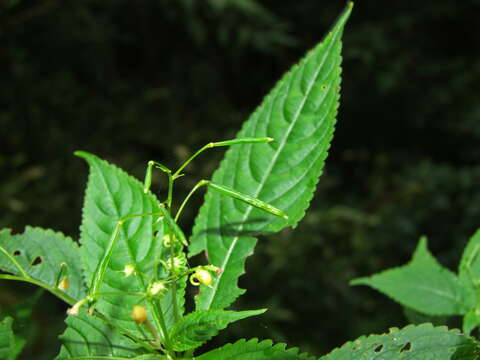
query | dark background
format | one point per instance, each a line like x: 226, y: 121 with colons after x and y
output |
x: 156, y: 79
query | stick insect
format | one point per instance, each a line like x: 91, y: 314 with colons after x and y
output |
x: 175, y: 267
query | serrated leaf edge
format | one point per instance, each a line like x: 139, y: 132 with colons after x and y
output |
x: 292, y: 221
x: 394, y: 330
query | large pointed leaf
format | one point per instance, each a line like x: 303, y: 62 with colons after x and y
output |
x: 40, y: 254
x: 423, y: 342
x: 254, y: 350
x: 110, y: 196
x: 423, y: 285
x: 87, y: 337
x: 299, y: 114
x: 196, y: 328
x: 10, y: 345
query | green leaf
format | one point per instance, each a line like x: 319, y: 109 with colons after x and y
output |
x: 469, y: 269
x: 150, y: 357
x: 196, y: 328
x: 110, y: 196
x: 254, y: 350
x: 423, y: 342
x: 24, y: 328
x: 40, y: 253
x: 299, y: 113
x: 470, y: 321
x: 423, y: 285
x: 87, y: 337
x: 469, y: 274
x: 10, y: 345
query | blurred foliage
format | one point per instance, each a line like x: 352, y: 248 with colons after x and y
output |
x: 156, y: 79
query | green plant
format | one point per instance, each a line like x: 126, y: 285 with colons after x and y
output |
x: 126, y: 281
x: 427, y: 287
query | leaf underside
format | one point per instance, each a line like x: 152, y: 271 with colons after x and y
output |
x: 40, y: 253
x: 423, y: 285
x: 423, y: 342
x: 299, y: 113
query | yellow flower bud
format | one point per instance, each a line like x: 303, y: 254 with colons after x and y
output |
x: 139, y: 314
x: 64, y: 284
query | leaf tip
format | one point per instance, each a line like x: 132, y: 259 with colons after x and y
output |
x: 358, y: 281
x: 345, y: 14
x: 269, y: 139
x: 83, y: 154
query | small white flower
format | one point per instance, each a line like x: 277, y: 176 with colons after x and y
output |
x: 156, y: 288
x: 75, y: 309
x: 129, y: 270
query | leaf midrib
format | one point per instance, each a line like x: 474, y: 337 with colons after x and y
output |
x: 440, y: 293
x: 212, y: 294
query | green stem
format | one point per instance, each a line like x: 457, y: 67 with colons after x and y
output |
x: 71, y: 301
x: 179, y: 276
x: 14, y: 261
x: 58, y: 293
x: 119, y: 293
